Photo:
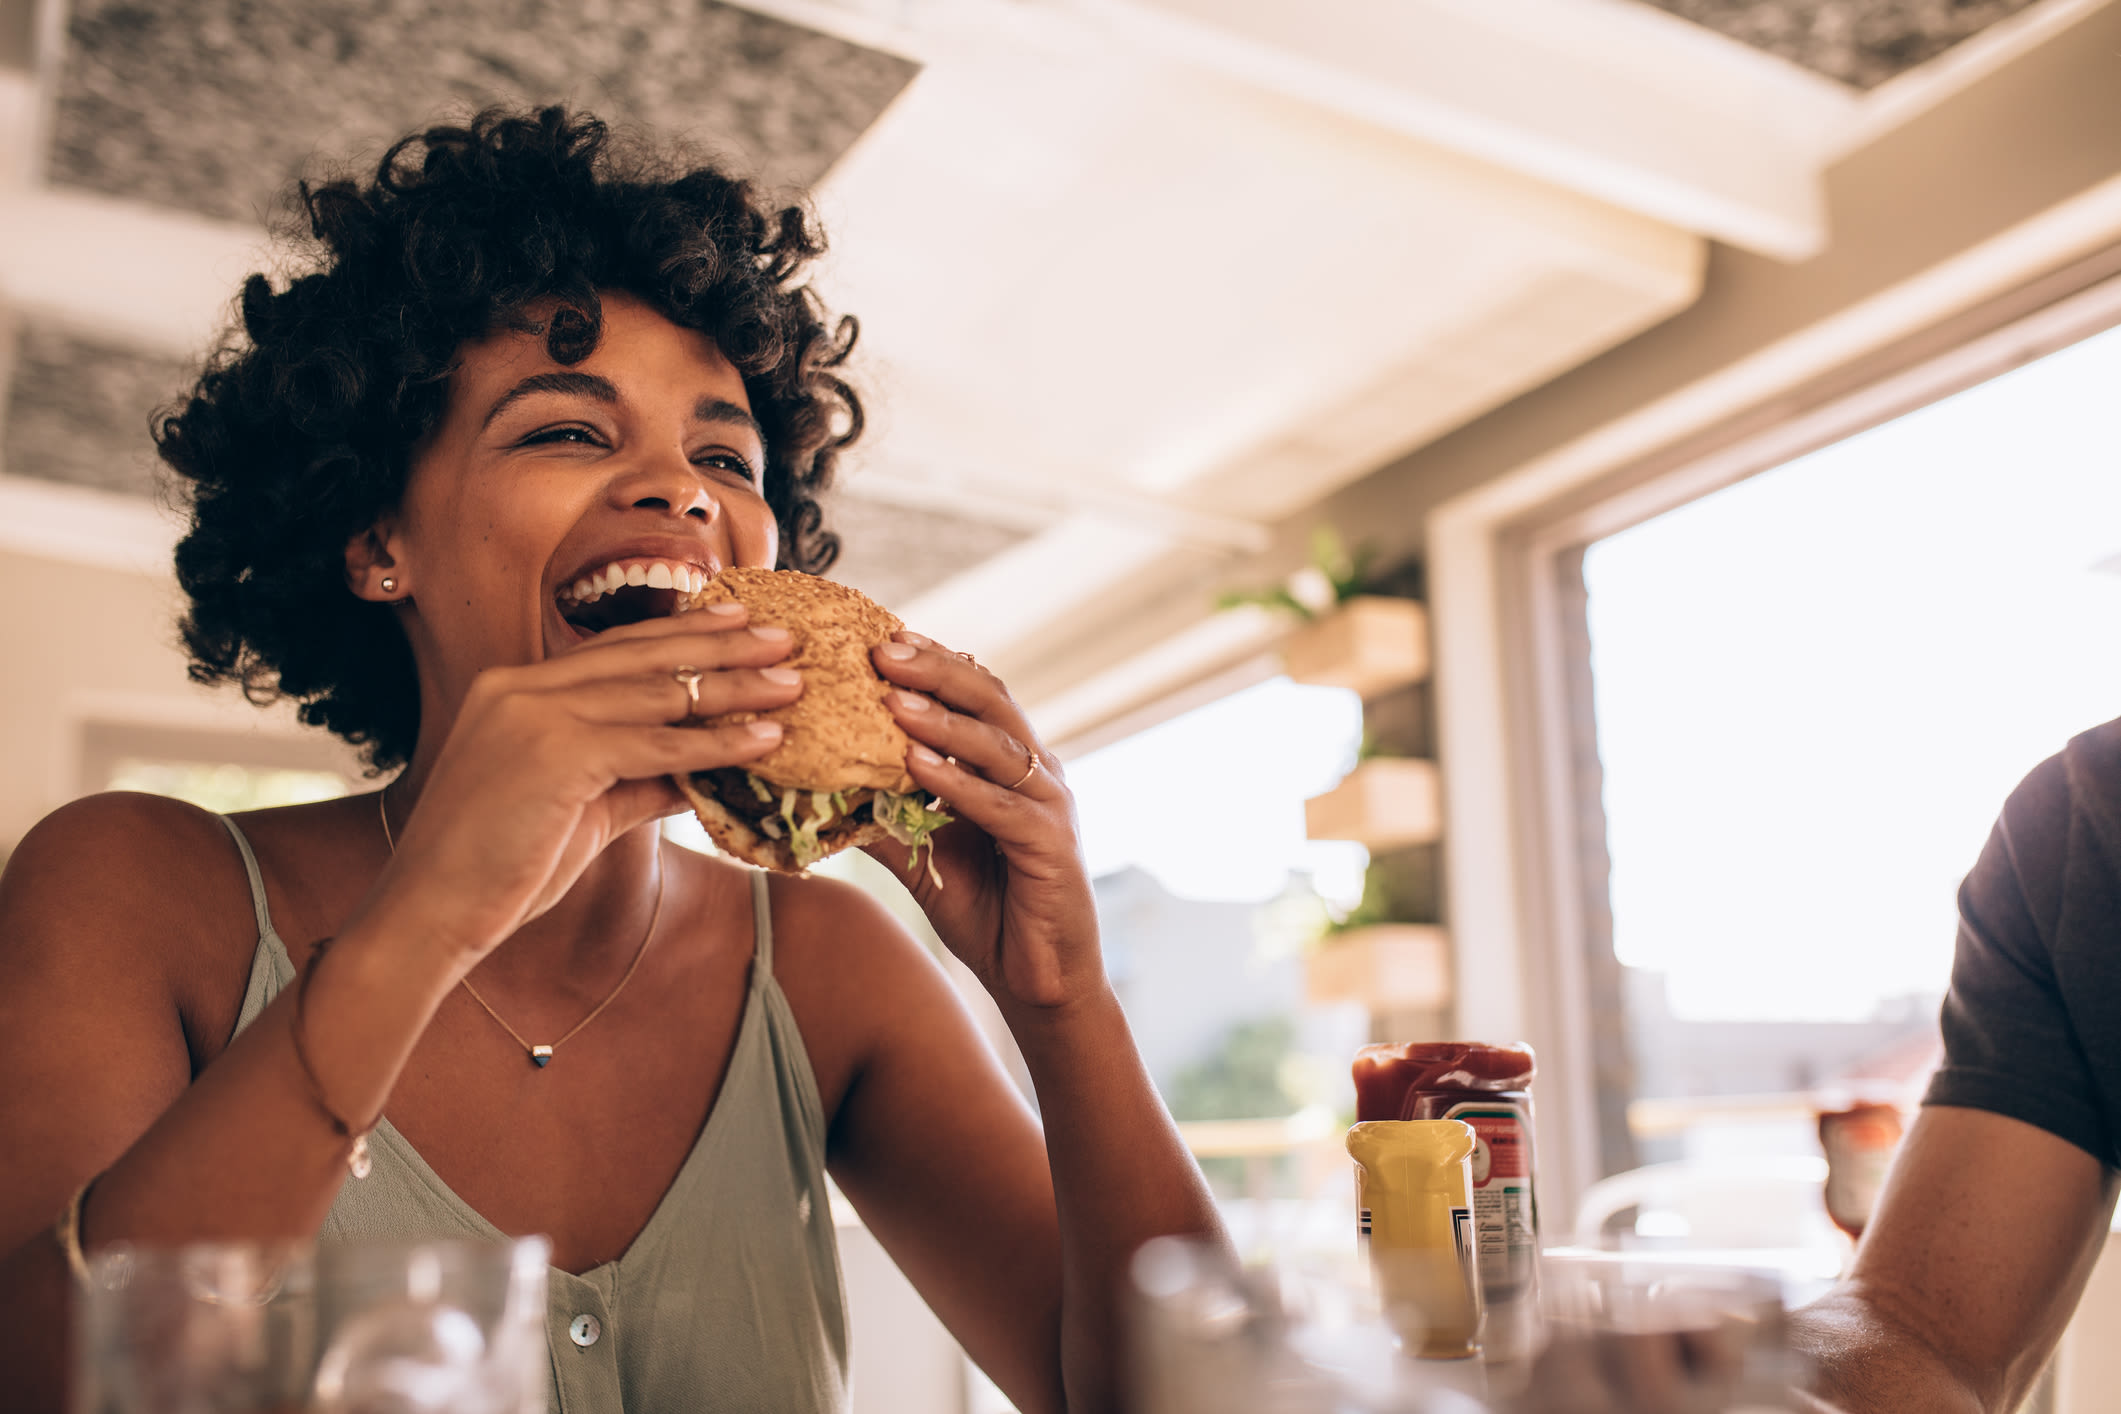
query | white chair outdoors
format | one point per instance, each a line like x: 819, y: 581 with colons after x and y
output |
x: 1764, y: 1212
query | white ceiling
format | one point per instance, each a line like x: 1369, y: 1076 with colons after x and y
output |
x: 1150, y: 277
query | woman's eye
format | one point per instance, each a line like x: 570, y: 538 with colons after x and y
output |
x: 730, y: 462
x: 546, y: 436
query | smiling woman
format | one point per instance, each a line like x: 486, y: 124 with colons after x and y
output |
x: 448, y: 487
x: 513, y: 231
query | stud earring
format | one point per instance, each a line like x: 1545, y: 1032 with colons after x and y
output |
x: 390, y: 584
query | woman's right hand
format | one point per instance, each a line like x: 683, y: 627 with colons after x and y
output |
x: 548, y: 763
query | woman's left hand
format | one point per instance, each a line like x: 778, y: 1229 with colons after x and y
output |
x: 1015, y: 902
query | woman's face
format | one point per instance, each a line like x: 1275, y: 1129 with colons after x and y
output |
x: 557, y: 500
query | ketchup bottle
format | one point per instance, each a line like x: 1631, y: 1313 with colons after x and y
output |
x: 1487, y: 1087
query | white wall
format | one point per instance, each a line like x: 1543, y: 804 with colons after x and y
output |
x: 88, y: 645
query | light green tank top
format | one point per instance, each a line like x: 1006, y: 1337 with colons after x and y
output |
x: 730, y: 1298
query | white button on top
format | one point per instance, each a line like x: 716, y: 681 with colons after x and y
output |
x: 584, y: 1330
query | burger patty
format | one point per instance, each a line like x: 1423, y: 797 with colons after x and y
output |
x: 731, y: 787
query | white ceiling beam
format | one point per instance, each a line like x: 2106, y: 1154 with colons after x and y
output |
x: 1030, y: 507
x: 1607, y: 98
x: 989, y: 607
x: 84, y: 526
x: 1221, y: 654
x: 125, y: 272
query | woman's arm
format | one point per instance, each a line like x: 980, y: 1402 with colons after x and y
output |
x: 546, y: 765
x: 1121, y: 1175
x: 1015, y: 904
x: 951, y: 1170
x: 100, y: 912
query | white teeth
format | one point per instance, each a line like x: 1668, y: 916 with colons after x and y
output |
x: 656, y: 574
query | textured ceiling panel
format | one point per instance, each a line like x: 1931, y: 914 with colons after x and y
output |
x: 893, y: 554
x: 1860, y: 42
x: 215, y: 106
x: 78, y: 411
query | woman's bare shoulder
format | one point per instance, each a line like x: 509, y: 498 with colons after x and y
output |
x: 123, y: 876
x: 830, y: 929
x: 857, y: 980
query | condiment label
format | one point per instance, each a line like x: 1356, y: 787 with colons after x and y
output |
x: 1465, y: 1238
x: 1504, y: 1215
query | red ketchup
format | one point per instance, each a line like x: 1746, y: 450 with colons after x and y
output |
x: 1488, y: 1087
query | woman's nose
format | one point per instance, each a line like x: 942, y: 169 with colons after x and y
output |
x: 676, y: 490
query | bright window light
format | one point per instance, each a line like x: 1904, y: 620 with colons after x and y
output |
x: 1815, y: 689
x: 226, y: 788
x: 1212, y: 803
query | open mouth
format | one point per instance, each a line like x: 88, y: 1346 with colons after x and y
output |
x: 626, y: 592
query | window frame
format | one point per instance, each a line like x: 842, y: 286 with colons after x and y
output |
x: 1525, y: 832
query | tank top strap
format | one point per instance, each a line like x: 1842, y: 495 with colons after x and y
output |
x: 761, y: 927
x: 257, y: 878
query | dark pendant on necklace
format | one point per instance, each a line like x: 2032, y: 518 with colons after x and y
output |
x: 541, y: 1056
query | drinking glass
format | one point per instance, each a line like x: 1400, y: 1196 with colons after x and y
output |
x: 428, y: 1327
x: 1628, y: 1330
x: 399, y: 1328
x: 207, y: 1329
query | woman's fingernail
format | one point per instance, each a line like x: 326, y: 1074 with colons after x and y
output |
x: 786, y: 677
x: 727, y: 611
x: 764, y: 731
x: 771, y: 635
x: 911, y: 701
x: 923, y: 755
x: 896, y: 652
x: 915, y: 639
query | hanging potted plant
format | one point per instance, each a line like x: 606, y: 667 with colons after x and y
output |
x: 1347, y: 635
x: 1386, y: 965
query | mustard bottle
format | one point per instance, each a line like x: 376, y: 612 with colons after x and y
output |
x: 1414, y: 1200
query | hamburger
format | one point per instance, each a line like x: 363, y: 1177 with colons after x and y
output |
x: 838, y: 779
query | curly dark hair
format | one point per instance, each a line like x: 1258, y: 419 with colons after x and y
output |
x: 299, y: 433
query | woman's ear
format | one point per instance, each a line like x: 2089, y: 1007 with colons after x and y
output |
x: 373, y: 571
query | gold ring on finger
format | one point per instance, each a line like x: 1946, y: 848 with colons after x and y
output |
x: 1029, y: 767
x: 688, y: 677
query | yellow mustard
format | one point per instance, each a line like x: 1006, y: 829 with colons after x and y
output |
x: 1414, y: 1199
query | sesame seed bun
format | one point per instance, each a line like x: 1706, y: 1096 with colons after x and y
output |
x: 837, y: 736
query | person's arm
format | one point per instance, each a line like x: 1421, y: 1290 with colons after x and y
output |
x: 1984, y: 1237
x: 1040, y: 1265
x: 1998, y: 1202
x: 955, y: 1176
x: 545, y: 767
x: 96, y: 925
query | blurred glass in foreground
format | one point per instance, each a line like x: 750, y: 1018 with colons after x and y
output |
x: 236, y: 1328
x: 1620, y: 1334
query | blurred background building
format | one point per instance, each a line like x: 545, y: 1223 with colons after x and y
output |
x: 1710, y: 404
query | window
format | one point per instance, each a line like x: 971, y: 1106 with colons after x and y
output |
x: 1208, y: 893
x: 1813, y: 691
x: 222, y: 770
x: 224, y: 787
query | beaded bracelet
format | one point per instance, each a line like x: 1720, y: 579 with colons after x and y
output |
x: 357, y: 1162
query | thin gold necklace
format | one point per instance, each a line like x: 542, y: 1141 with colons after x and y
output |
x: 541, y: 1056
